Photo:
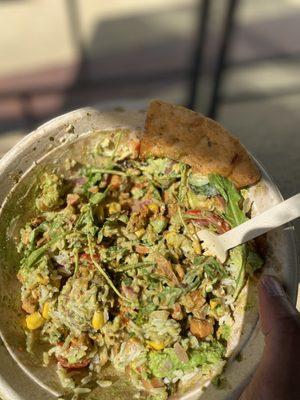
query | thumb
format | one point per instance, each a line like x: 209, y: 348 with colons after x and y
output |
x: 278, y: 373
x: 277, y: 315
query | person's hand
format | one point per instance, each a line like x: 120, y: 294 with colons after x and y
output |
x: 278, y: 374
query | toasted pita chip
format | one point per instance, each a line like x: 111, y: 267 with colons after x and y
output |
x: 184, y: 135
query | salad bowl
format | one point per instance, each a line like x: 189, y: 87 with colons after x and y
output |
x: 21, y: 375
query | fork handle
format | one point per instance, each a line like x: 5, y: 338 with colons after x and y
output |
x: 276, y: 216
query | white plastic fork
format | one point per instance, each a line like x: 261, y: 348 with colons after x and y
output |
x: 218, y: 245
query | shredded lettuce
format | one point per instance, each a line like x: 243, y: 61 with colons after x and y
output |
x: 242, y: 260
x: 97, y: 198
x: 200, y: 185
x: 224, y: 331
x: 169, y: 295
x: 237, y: 262
x: 209, y: 353
x: 165, y: 363
x: 156, y: 166
x: 51, y: 192
x: 159, y: 224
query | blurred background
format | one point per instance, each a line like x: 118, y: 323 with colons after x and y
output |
x: 235, y: 60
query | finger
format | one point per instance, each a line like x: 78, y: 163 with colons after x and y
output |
x: 277, y: 314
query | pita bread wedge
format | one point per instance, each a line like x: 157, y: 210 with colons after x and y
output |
x: 184, y: 135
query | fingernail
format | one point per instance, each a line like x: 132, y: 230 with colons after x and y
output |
x: 272, y: 286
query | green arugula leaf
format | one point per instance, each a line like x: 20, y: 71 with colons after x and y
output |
x: 97, y: 198
x: 169, y: 295
x: 143, y: 314
x: 102, y: 272
x: 37, y: 254
x: 212, y: 268
x: 193, y: 277
x: 235, y: 216
x: 85, y: 222
x: 233, y: 213
x: 237, y: 262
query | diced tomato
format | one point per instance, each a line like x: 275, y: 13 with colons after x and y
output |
x: 141, y: 185
x: 115, y: 181
x: 86, y: 261
x: 207, y: 218
x: 146, y: 384
x: 129, y: 293
x: 140, y: 249
x: 135, y: 145
x: 124, y: 320
x: 157, y: 383
x: 87, y: 257
x: 65, y: 363
x: 196, y: 213
x: 151, y: 384
x: 79, y: 365
x: 73, y: 199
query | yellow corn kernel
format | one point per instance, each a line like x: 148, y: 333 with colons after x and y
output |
x: 214, y: 303
x: 98, y: 320
x: 46, y: 310
x: 176, y: 168
x: 114, y: 208
x: 156, y: 345
x: 154, y: 208
x: 197, y: 247
x: 34, y: 321
x: 171, y: 238
x: 44, y: 280
x: 139, y: 233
